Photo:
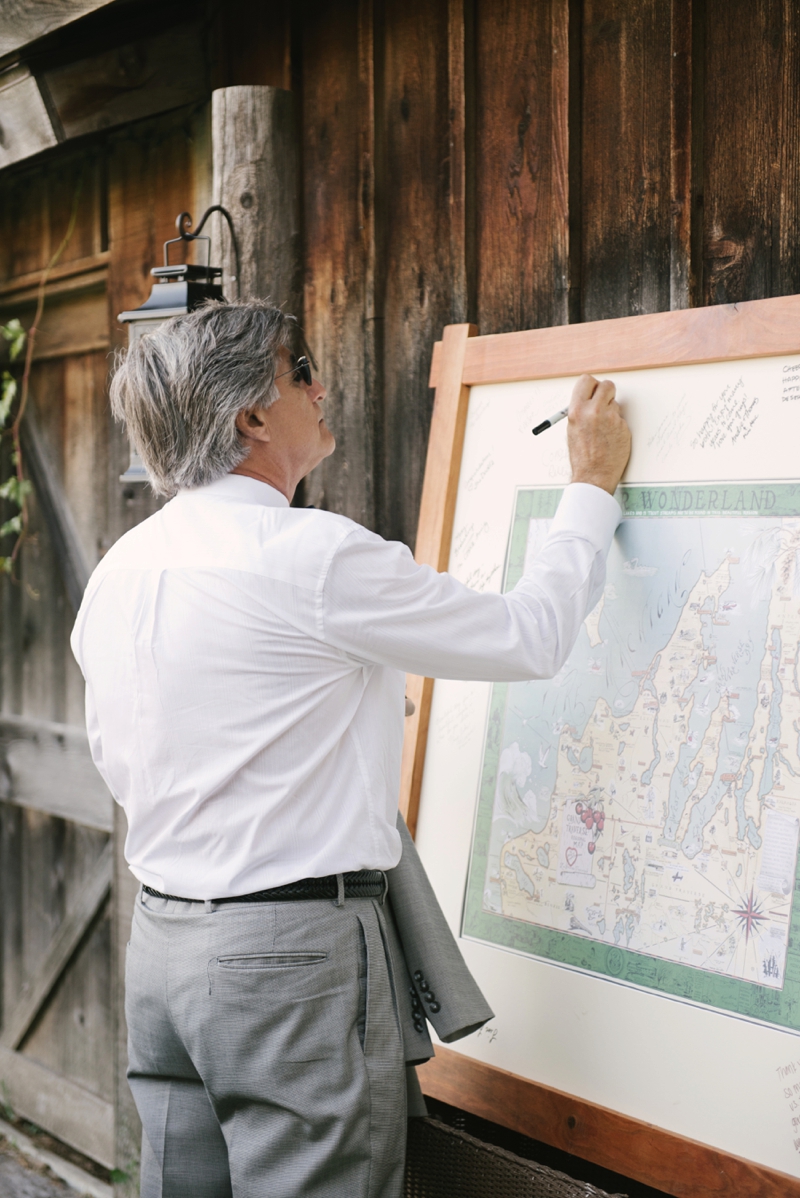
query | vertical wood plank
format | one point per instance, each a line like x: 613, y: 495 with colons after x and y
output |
x: 85, y: 456
x: 73, y: 565
x: 681, y: 282
x: 626, y: 158
x: 255, y: 176
x: 437, y: 510
x: 786, y: 253
x: 575, y: 159
x: 80, y: 439
x: 45, y: 619
x: 338, y: 161
x: 25, y: 218
x: 78, y: 180
x: 11, y: 938
x: 752, y: 151
x: 421, y: 247
x: 522, y: 159
x: 127, y: 1127
x: 461, y: 36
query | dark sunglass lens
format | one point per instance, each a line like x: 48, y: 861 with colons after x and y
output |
x: 303, y: 371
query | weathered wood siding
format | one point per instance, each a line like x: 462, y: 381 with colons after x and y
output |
x: 60, y: 1002
x: 524, y: 165
x: 751, y: 150
x: 44, y: 860
x: 519, y: 156
x: 511, y: 163
x: 338, y: 141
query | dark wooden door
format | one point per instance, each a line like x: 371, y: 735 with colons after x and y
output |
x: 57, y: 1031
x: 65, y: 893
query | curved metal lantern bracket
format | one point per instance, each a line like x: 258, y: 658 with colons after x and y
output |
x: 183, y: 223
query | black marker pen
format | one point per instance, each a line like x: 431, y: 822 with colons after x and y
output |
x: 549, y: 423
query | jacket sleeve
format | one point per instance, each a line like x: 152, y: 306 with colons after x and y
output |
x: 440, y: 985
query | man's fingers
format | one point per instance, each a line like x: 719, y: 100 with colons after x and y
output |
x: 590, y: 392
x: 604, y: 393
x: 584, y: 389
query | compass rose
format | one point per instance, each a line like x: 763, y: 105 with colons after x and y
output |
x: 750, y: 915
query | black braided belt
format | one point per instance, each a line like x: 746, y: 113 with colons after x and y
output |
x: 362, y: 883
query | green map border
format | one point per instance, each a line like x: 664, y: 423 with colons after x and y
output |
x: 749, y: 999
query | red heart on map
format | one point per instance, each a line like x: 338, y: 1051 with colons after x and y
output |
x: 571, y: 856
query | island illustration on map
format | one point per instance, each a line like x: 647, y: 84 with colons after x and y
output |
x: 639, y: 814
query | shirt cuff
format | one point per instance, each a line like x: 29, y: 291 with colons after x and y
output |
x: 589, y: 511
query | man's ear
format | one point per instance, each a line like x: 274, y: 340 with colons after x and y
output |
x: 252, y: 424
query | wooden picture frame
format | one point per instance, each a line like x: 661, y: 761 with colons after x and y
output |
x: 462, y: 359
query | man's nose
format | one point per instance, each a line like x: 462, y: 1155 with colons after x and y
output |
x: 317, y: 391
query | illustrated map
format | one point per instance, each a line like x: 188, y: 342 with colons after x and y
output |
x: 639, y: 814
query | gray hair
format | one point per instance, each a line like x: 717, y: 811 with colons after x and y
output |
x: 179, y: 389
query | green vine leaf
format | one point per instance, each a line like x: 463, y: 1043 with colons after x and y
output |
x: 8, y: 393
x: 13, y: 525
x: 14, y: 333
x: 16, y: 490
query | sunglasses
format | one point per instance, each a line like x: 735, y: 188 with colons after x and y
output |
x: 301, y: 371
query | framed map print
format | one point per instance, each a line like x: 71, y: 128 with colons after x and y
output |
x: 616, y: 848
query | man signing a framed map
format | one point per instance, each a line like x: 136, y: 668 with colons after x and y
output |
x: 245, y: 667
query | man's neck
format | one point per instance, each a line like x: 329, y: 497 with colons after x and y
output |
x: 266, y: 473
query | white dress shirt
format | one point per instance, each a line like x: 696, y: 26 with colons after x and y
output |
x: 244, y: 666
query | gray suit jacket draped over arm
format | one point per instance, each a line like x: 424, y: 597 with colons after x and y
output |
x: 431, y: 975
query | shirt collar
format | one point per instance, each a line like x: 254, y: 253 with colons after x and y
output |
x: 242, y: 489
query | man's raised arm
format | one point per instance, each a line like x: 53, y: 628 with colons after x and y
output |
x: 380, y: 606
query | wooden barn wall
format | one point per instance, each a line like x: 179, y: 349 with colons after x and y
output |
x: 521, y: 165
x: 43, y: 860
x: 515, y: 163
x: 125, y: 191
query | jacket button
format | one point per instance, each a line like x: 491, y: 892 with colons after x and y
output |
x: 417, y: 975
x: 423, y: 985
x: 435, y: 1007
x: 429, y: 996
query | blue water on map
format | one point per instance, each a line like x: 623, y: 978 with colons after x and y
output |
x: 653, y: 566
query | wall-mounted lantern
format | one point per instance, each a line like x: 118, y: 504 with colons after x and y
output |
x: 178, y: 289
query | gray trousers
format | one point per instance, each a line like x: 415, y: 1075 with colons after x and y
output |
x: 266, y: 1057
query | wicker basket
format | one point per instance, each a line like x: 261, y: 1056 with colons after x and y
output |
x: 445, y: 1163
